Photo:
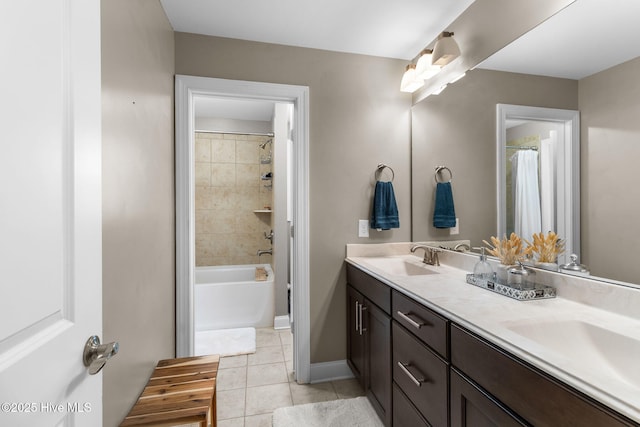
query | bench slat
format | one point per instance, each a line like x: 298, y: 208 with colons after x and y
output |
x: 164, y: 389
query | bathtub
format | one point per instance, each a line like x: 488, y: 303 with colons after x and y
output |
x: 229, y: 297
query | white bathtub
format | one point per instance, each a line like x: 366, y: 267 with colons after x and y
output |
x: 229, y: 297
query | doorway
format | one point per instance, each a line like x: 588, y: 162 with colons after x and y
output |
x: 188, y: 89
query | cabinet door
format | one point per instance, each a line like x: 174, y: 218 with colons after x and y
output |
x: 355, y: 337
x: 471, y: 407
x: 378, y: 350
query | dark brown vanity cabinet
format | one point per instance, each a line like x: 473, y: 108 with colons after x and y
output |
x: 536, y: 397
x: 369, y: 338
x: 421, y: 369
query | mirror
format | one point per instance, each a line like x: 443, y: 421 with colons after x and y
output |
x: 458, y: 129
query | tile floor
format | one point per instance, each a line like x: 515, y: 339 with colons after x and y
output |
x: 250, y: 387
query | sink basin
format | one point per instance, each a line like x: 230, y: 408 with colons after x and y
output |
x: 588, y: 345
x: 401, y: 266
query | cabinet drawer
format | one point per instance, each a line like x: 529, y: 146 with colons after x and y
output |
x: 421, y: 375
x: 404, y: 413
x: 532, y: 394
x: 430, y: 327
x: 373, y: 289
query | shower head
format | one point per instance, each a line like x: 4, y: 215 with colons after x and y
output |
x: 264, y: 144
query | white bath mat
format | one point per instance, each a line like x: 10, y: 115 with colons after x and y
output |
x: 225, y: 342
x: 356, y: 412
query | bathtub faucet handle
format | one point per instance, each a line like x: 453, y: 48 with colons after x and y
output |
x: 269, y: 236
x: 265, y: 251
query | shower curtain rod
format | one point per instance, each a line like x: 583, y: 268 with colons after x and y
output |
x: 522, y: 147
x: 269, y: 134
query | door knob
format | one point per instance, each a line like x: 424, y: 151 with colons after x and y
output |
x: 95, y: 355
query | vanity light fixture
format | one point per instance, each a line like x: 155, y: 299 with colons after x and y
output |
x: 445, y: 50
x: 410, y: 81
x: 424, y: 68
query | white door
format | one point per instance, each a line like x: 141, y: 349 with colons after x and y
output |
x: 50, y: 211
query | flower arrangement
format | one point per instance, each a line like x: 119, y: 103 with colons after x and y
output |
x: 545, y: 248
x: 508, y: 251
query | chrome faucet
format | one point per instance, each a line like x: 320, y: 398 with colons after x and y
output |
x: 430, y: 254
x: 269, y: 236
x: 265, y: 251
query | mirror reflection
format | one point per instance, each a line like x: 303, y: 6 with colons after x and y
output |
x: 458, y: 128
x: 538, y: 175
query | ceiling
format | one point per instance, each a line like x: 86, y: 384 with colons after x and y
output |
x: 586, y: 37
x: 394, y: 29
x: 399, y: 29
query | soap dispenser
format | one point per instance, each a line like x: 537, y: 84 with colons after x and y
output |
x: 482, y: 269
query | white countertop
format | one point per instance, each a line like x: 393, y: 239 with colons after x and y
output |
x: 492, y: 316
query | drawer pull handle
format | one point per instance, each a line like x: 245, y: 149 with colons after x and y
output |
x: 405, y: 368
x: 405, y: 317
x: 357, y: 322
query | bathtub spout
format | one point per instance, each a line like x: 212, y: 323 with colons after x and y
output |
x: 265, y: 251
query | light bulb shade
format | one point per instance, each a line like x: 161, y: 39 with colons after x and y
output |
x: 445, y: 50
x: 424, y: 68
x: 410, y: 82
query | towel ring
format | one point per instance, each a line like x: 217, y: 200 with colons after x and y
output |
x: 440, y: 169
x: 381, y: 166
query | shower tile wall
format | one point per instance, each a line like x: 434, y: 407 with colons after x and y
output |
x: 229, y: 189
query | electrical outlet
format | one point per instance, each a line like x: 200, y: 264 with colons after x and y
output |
x: 456, y: 229
x: 363, y: 228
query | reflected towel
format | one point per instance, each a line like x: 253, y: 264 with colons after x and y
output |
x: 444, y: 213
x: 385, y: 209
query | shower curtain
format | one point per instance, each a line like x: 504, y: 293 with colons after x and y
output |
x: 527, y: 194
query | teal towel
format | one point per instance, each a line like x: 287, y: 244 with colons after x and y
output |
x: 444, y: 213
x: 385, y: 209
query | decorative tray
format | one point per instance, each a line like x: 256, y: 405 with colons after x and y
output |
x: 538, y: 292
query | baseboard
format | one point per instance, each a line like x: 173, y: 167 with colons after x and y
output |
x: 281, y: 322
x: 330, y: 371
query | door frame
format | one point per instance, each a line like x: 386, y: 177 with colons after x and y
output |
x: 186, y: 87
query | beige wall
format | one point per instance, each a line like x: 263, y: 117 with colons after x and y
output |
x: 358, y: 118
x: 229, y: 190
x: 610, y: 149
x: 138, y: 197
x: 458, y: 129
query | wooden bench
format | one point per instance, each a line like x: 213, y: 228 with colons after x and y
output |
x: 180, y: 391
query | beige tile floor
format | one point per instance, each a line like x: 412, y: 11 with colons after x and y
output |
x: 250, y: 387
